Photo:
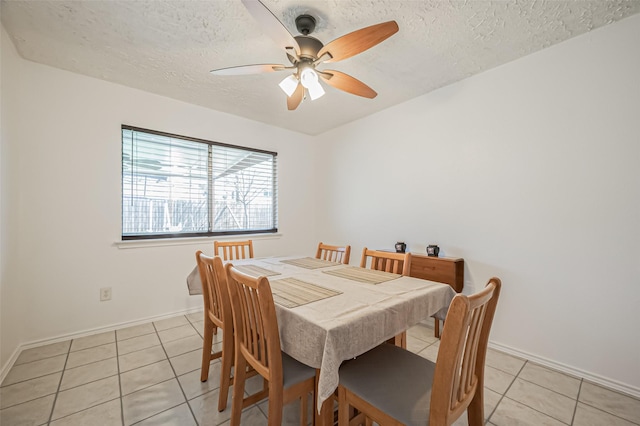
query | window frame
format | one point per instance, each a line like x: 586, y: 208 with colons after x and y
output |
x: 210, y: 201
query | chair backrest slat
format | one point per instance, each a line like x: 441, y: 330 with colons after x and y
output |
x: 232, y: 250
x: 331, y: 253
x: 397, y: 263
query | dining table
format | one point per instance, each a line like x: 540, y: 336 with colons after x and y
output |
x: 330, y: 312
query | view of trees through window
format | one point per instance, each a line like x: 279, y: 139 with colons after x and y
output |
x: 178, y: 186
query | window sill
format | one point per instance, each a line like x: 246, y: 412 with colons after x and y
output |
x: 160, y: 242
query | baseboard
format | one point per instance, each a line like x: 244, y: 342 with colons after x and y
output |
x: 7, y: 365
x: 84, y: 333
x: 572, y: 371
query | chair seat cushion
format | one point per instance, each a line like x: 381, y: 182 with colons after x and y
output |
x: 294, y: 371
x: 393, y: 379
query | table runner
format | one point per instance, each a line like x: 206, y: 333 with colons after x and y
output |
x: 292, y: 292
x: 310, y: 263
x: 368, y: 276
x: 256, y: 271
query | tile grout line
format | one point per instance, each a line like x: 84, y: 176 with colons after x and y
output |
x: 35, y: 377
x: 528, y: 406
x: 577, y: 398
x: 64, y: 367
x: 548, y: 388
x: 604, y: 410
x: 175, y: 375
x: 63, y: 371
x: 180, y: 384
x: 547, y: 414
x: 575, y: 408
x: 33, y: 399
x: 502, y: 396
x: 147, y: 387
x: 93, y: 381
x: 119, y: 379
x: 610, y: 413
x: 159, y: 412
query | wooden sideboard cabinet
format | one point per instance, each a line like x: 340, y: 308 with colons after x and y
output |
x: 447, y: 270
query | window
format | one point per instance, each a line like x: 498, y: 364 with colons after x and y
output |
x: 175, y: 186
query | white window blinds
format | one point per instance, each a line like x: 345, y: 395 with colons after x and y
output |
x: 174, y: 186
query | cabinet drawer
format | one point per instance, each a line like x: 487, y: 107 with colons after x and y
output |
x: 442, y: 270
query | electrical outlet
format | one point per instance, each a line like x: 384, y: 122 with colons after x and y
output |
x: 105, y: 294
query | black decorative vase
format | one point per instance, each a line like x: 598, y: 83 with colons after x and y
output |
x: 400, y: 247
x: 433, y: 250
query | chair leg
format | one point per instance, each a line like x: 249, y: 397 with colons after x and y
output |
x: 343, y: 407
x: 276, y: 403
x: 399, y: 340
x: 314, y: 403
x: 206, y: 349
x: 238, y: 389
x: 304, y: 404
x: 475, y: 410
x: 225, y: 372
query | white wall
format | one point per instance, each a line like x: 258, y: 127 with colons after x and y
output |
x: 10, y: 293
x: 530, y: 173
x: 65, y: 144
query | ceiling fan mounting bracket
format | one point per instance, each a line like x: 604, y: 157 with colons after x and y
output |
x: 305, y: 24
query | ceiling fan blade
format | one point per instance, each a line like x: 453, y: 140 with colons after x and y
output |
x: 272, y: 27
x: 345, y: 82
x: 358, y: 41
x: 248, y: 69
x: 294, y: 100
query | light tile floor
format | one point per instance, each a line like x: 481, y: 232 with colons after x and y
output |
x: 149, y: 375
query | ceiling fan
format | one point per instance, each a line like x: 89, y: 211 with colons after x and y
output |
x: 305, y: 53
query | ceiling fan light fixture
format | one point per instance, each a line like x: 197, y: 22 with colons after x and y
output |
x: 309, y: 80
x: 315, y: 91
x: 289, y: 85
x: 308, y: 77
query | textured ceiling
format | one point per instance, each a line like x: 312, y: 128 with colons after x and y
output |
x: 169, y: 47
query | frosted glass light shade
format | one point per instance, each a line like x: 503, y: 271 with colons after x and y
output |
x: 308, y: 77
x: 315, y: 91
x: 289, y: 85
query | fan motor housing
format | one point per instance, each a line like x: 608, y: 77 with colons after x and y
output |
x: 309, y: 47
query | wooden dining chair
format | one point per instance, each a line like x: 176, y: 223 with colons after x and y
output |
x: 333, y: 253
x: 232, y: 250
x: 217, y: 314
x: 426, y: 393
x: 257, y: 343
x: 397, y: 263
